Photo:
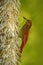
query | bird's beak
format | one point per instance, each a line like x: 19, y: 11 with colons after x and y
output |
x: 25, y: 18
x: 28, y: 22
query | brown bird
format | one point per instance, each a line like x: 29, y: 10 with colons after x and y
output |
x: 24, y: 33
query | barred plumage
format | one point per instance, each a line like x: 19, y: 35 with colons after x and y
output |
x: 9, y: 50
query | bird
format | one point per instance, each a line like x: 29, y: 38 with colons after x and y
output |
x: 25, y: 32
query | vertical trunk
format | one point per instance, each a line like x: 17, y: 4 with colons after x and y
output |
x: 9, y: 50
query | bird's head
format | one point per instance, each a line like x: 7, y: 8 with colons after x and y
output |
x: 29, y: 23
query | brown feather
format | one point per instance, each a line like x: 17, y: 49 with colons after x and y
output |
x: 25, y: 30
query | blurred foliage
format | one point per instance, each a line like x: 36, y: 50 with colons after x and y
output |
x: 33, y: 51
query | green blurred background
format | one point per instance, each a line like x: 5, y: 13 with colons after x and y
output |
x: 33, y: 51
